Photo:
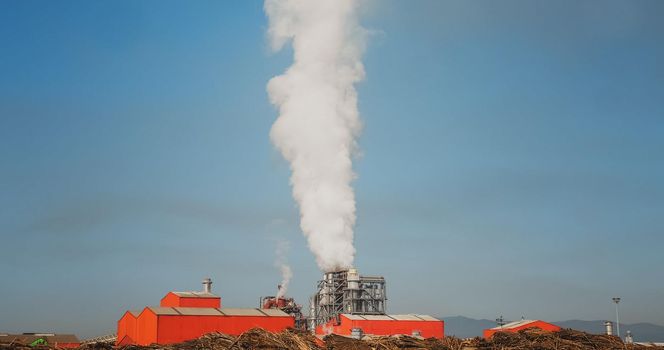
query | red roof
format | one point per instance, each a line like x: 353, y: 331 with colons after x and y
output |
x: 520, y: 325
x: 190, y: 299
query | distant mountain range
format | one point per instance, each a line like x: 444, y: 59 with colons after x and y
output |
x: 464, y: 327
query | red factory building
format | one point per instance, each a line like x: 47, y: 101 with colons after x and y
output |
x: 183, y: 316
x: 414, y: 325
x: 520, y: 325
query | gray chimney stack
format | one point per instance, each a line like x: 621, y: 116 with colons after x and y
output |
x: 207, y: 285
x: 609, y: 327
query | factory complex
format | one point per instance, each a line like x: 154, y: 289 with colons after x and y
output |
x: 345, y: 303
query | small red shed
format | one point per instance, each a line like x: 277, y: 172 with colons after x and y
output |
x: 520, y: 325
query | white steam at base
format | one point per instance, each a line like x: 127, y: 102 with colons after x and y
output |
x: 282, y: 264
x: 318, y: 118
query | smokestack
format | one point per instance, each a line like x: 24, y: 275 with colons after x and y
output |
x: 207, y: 285
x: 609, y: 327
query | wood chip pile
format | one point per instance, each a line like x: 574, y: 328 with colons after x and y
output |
x: 533, y: 338
x: 566, y: 339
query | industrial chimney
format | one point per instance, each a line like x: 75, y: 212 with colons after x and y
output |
x: 207, y: 285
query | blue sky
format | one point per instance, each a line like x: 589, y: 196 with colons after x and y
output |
x: 512, y: 159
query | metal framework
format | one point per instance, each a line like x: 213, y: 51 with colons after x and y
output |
x: 286, y: 305
x: 346, y: 292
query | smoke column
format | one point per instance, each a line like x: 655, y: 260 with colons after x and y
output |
x: 282, y: 264
x: 318, y: 119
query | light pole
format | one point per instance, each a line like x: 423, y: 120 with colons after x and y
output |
x: 617, y: 300
x: 500, y: 321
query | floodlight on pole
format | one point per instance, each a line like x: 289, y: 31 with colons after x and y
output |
x: 617, y: 300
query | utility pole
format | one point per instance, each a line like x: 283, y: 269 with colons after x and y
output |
x: 500, y: 321
x: 617, y: 300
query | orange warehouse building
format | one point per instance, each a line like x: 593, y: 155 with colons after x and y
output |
x: 422, y: 325
x: 183, y: 316
x: 127, y: 328
x: 520, y: 325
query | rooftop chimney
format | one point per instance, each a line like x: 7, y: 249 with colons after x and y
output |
x: 207, y: 285
x: 609, y: 327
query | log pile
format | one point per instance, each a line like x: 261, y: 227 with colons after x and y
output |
x: 256, y: 338
x: 566, y: 339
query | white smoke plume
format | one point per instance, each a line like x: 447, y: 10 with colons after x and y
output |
x: 318, y: 119
x: 282, y: 264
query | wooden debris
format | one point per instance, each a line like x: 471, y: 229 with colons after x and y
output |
x: 535, y: 339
